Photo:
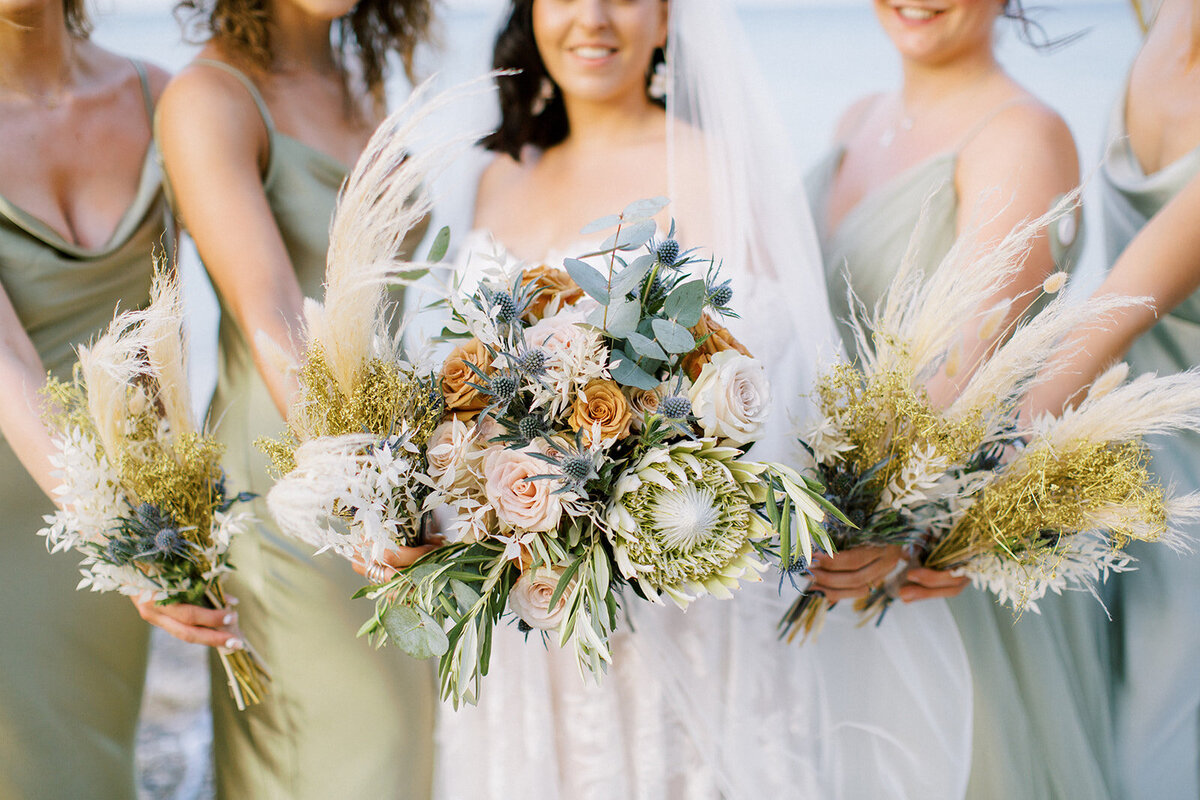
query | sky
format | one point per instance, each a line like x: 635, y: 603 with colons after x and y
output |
x: 130, y: 5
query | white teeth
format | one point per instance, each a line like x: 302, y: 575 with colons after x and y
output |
x: 592, y: 52
x: 916, y: 13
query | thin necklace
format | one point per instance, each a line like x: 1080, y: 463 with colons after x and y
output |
x: 906, y: 121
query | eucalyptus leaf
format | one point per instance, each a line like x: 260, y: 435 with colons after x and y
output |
x: 644, y: 209
x: 627, y: 373
x: 630, y: 237
x: 631, y: 277
x: 441, y: 243
x: 623, y: 317
x: 589, y: 279
x: 672, y: 336
x: 602, y: 224
x: 415, y: 632
x: 646, y: 347
x: 685, y: 303
x: 464, y: 594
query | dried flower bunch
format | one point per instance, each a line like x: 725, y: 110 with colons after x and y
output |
x: 1021, y: 507
x: 143, y: 496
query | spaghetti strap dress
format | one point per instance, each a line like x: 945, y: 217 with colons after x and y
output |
x: 1041, y: 724
x: 341, y: 719
x: 72, y: 663
x: 1156, y: 636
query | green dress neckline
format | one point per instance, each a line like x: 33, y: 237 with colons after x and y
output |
x: 129, y: 223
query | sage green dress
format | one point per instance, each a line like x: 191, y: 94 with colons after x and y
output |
x: 1156, y: 610
x: 342, y: 719
x: 71, y: 663
x: 1041, y: 727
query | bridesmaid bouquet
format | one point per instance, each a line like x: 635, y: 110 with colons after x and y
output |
x: 143, y: 497
x: 1021, y: 508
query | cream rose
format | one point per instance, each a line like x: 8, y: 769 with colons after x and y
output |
x: 447, y: 449
x: 731, y: 397
x: 530, y: 599
x: 528, y: 505
x: 557, y: 334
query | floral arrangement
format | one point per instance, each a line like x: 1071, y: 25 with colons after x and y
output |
x: 143, y: 496
x: 585, y: 435
x: 1021, y: 507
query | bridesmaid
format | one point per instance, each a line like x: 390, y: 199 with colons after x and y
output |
x: 76, y: 237
x: 257, y: 135
x: 964, y: 144
x: 1150, y: 182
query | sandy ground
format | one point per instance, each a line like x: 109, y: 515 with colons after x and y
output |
x: 174, y: 747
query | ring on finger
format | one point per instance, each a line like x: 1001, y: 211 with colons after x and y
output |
x: 376, y: 572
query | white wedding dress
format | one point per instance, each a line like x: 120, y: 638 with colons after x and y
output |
x: 709, y: 703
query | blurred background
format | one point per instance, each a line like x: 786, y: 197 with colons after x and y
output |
x: 815, y: 55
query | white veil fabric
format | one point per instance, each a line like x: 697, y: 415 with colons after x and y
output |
x: 709, y: 704
x: 880, y: 712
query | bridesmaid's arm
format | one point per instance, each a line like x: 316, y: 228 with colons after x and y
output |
x: 23, y: 375
x: 1002, y: 183
x: 1009, y: 174
x: 215, y: 148
x: 1162, y: 263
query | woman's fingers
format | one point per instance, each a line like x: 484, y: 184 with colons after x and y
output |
x: 923, y: 584
x: 856, y: 569
x: 205, y: 626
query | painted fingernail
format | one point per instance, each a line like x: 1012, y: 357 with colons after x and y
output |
x: 233, y: 601
x: 229, y: 618
x: 234, y: 644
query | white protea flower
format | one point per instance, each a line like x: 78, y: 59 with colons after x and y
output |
x: 681, y: 521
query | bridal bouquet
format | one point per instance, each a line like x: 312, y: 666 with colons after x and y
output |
x: 586, y: 434
x: 1022, y: 509
x: 143, y: 497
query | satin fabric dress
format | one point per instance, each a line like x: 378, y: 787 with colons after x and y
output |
x: 1041, y: 723
x: 342, y: 719
x: 72, y: 663
x: 1156, y: 636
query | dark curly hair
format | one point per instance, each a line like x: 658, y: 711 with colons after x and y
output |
x: 516, y: 49
x: 1031, y: 31
x: 79, y: 24
x: 372, y: 30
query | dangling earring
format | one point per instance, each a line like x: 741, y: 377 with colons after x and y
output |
x: 545, y: 94
x: 657, y: 90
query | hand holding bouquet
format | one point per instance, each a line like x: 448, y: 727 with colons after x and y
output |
x: 143, y: 497
x: 1020, y: 509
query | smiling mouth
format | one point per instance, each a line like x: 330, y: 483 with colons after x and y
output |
x: 917, y: 14
x: 593, y: 52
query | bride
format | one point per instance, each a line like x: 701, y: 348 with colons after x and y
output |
x: 615, y: 101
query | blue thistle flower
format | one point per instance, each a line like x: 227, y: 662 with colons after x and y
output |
x: 667, y: 252
x: 675, y: 407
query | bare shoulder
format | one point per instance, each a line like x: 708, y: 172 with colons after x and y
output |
x: 496, y: 185
x: 1025, y: 136
x: 208, y: 107
x: 855, y: 114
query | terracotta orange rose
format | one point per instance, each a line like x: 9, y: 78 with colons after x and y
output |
x: 601, y: 402
x: 457, y: 377
x: 719, y: 339
x: 557, y: 290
